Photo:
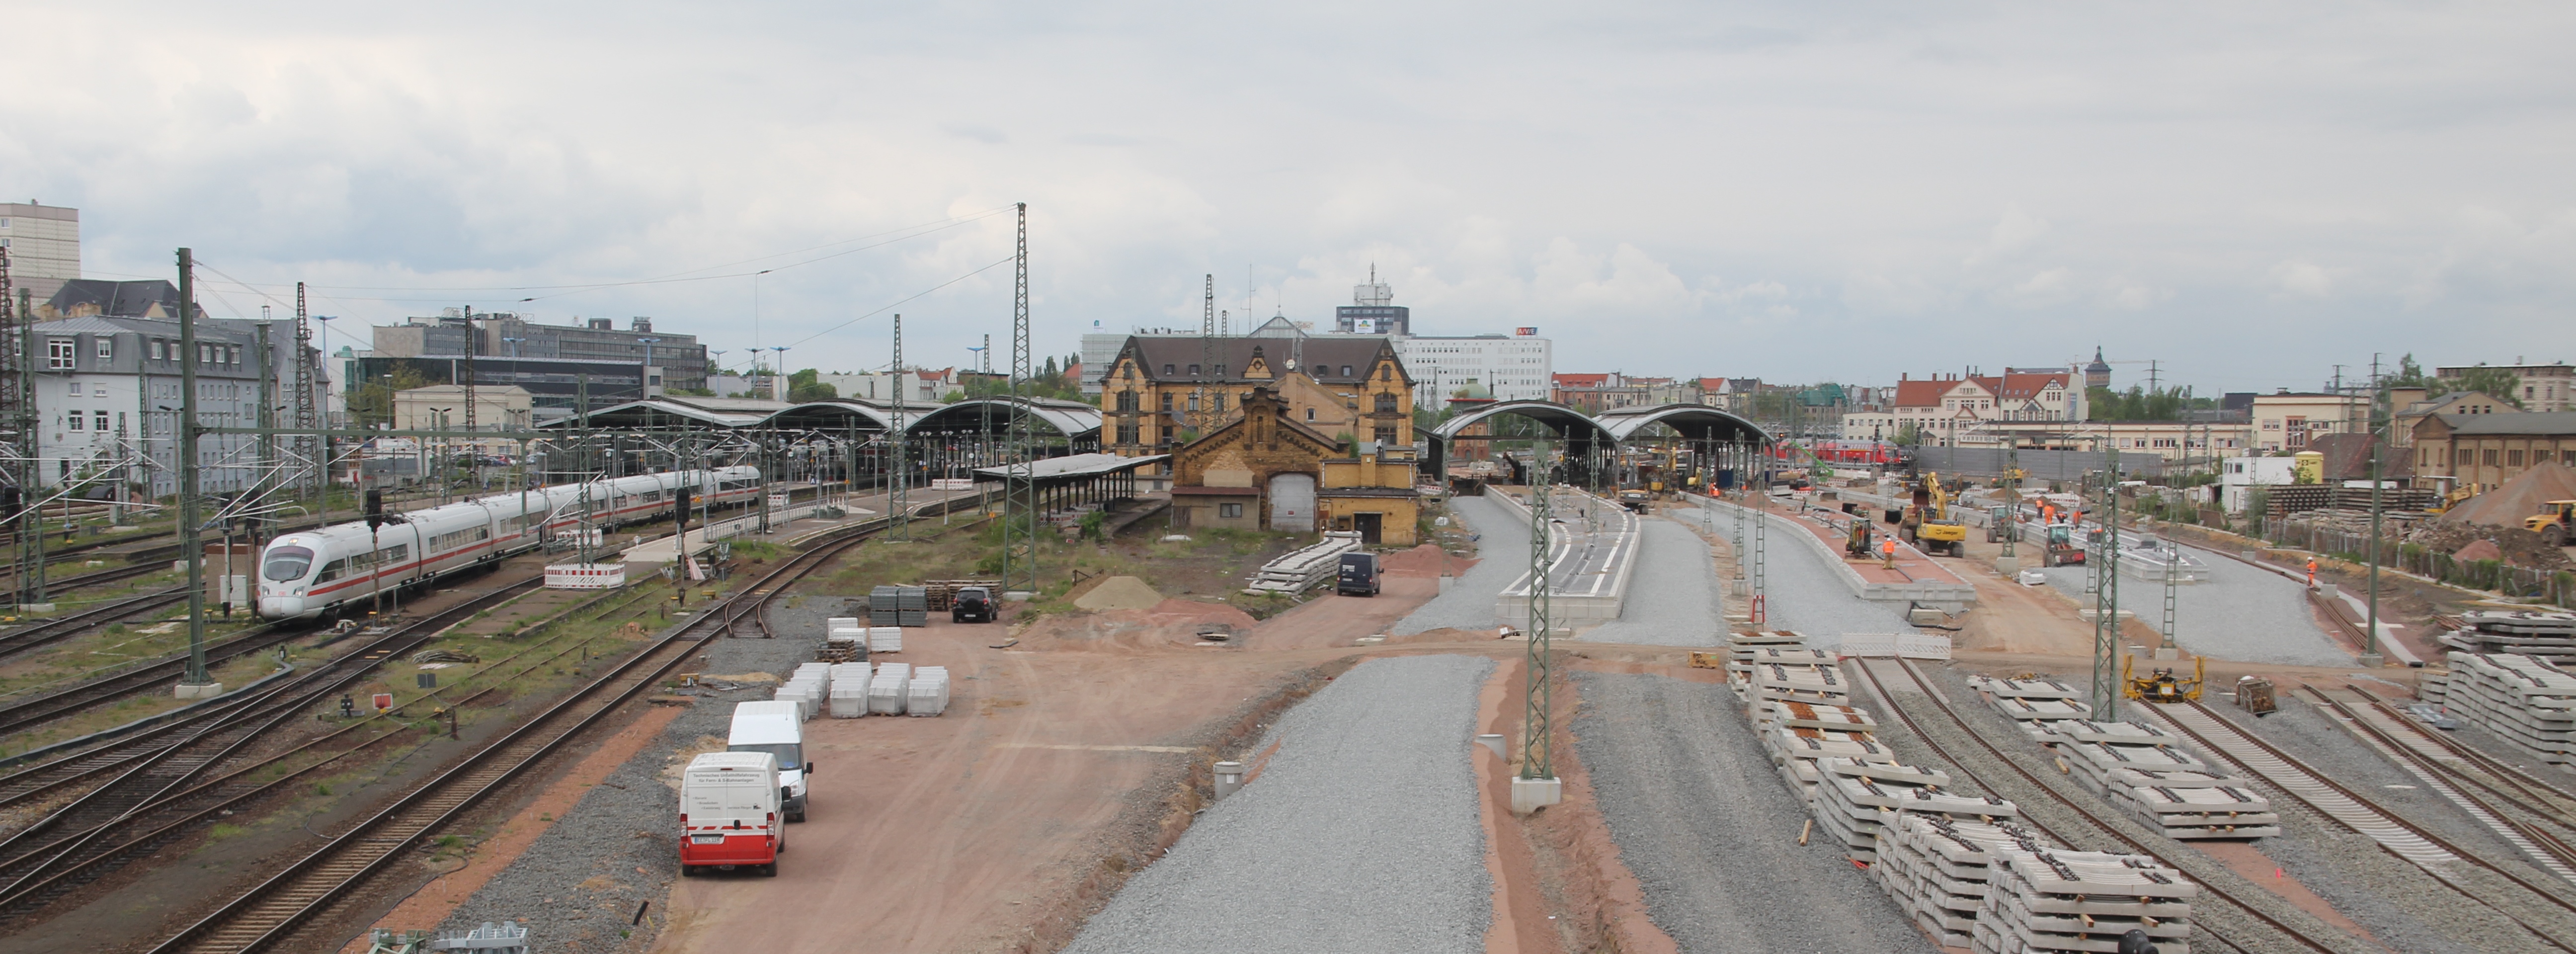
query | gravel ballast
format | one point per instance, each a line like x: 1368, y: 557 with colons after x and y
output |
x: 583, y: 878
x: 2242, y: 613
x: 1672, y: 596
x: 1801, y: 590
x: 1502, y: 555
x: 1711, y: 831
x: 1362, y: 832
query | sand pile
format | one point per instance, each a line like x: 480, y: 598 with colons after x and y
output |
x: 1120, y: 593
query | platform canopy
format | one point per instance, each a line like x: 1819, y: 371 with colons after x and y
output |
x: 667, y: 411
x: 1697, y: 422
x: 1070, y: 419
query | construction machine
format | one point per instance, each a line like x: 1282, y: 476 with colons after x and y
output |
x: 2062, y: 548
x: 1858, y: 544
x: 2555, y: 523
x: 2162, y: 685
x: 1928, y: 524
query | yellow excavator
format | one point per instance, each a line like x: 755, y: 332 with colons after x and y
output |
x: 1927, y: 521
x: 2163, y: 685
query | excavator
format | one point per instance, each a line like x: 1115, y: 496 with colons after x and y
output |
x: 2555, y: 523
x: 1927, y: 521
x: 2163, y: 685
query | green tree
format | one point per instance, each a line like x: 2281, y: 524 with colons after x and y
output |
x: 2496, y: 383
x: 2140, y: 404
x: 807, y: 385
x: 373, y: 403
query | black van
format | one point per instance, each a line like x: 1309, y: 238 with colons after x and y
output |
x: 1359, y: 575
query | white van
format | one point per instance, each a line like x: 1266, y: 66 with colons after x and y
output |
x: 729, y: 804
x: 777, y: 728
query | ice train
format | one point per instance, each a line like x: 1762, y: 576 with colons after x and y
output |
x: 313, y: 572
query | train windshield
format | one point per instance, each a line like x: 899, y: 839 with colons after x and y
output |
x: 288, y: 563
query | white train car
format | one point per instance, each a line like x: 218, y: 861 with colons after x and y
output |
x: 314, y: 572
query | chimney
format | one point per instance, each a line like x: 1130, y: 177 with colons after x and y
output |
x: 643, y: 324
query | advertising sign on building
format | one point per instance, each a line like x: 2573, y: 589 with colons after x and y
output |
x: 1525, y: 330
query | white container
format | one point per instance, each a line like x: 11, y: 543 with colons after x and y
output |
x: 850, y: 699
x: 928, y: 694
x: 837, y: 623
x: 885, y: 639
x: 890, y: 689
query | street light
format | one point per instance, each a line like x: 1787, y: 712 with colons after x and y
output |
x: 648, y: 364
x: 781, y: 388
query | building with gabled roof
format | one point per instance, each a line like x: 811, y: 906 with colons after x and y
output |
x: 1150, y: 399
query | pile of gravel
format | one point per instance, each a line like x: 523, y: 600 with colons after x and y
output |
x: 1361, y: 834
x: 2241, y: 612
x: 578, y: 885
x: 1672, y: 595
x: 1711, y: 832
x: 1502, y: 550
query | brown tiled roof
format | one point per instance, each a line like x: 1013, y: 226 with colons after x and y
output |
x: 1324, y: 358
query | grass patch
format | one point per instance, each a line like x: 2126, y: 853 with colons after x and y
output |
x: 224, y: 830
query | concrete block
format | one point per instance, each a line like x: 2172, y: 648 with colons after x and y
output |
x: 2371, y: 660
x: 35, y: 607
x: 1532, y: 794
x: 1920, y: 616
x: 197, y: 690
x: 1018, y: 596
x: 1445, y: 582
x: 1229, y: 778
x: 1494, y: 742
x: 2007, y: 566
x: 2168, y: 654
x: 2330, y: 590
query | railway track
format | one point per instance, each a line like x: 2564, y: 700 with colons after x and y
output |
x: 265, y: 916
x: 49, y: 632
x: 71, y: 700
x: 87, y: 839
x: 1973, y: 764
x: 2497, y: 795
x: 2351, y: 809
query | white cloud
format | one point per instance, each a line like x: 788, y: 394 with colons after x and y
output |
x: 1706, y: 189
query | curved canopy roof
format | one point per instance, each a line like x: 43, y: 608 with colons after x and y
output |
x: 1697, y: 422
x: 1069, y: 418
x: 731, y: 412
x: 1566, y: 421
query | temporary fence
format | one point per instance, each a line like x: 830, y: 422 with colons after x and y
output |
x: 2554, y: 587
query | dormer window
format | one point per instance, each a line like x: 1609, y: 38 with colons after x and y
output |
x: 1194, y: 370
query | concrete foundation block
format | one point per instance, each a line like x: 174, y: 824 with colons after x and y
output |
x: 35, y: 607
x: 1445, y: 582
x: 2168, y: 654
x: 1532, y: 794
x: 1926, y: 617
x: 2329, y: 590
x: 1229, y: 778
x: 198, y: 690
x: 2087, y: 614
x: 2007, y: 566
x: 2371, y: 660
x: 1018, y: 596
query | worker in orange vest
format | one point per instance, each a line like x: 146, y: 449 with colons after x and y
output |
x: 2312, y: 573
x: 1889, y: 549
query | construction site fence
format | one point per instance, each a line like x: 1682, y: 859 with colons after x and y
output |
x: 2062, y: 465
x: 2554, y: 587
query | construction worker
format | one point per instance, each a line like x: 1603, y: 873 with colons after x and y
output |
x: 1889, y: 549
x: 2312, y: 573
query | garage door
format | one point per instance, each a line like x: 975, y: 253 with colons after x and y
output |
x: 1292, y: 502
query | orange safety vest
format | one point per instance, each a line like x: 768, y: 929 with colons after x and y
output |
x: 1889, y: 547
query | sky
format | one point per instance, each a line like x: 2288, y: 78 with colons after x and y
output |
x: 2246, y: 194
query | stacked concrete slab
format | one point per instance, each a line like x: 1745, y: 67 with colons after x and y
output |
x: 2548, y: 635
x: 928, y: 693
x: 1855, y: 799
x: 2150, y: 774
x: 2433, y: 685
x: 1937, y: 868
x: 1796, y: 752
x: 885, y: 639
x: 2030, y: 700
x: 2520, y: 699
x: 2049, y: 901
x: 1742, y: 647
x: 1807, y: 715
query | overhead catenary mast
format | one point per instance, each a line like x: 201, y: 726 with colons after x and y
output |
x: 898, y: 502
x: 1203, y: 413
x: 305, y: 418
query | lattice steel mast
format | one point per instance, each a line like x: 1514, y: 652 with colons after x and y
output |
x: 2106, y: 601
x: 1019, y: 486
x: 17, y: 337
x: 189, y: 516
x: 898, y: 500
x: 1537, y: 714
x: 305, y: 418
x: 1202, y: 412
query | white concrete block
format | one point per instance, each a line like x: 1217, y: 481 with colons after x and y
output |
x: 1532, y: 794
x: 200, y: 690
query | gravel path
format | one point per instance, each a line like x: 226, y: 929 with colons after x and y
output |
x: 1362, y: 833
x: 2242, y: 613
x: 1672, y: 597
x: 1711, y: 831
x: 1802, y: 590
x: 583, y: 878
x: 1502, y: 551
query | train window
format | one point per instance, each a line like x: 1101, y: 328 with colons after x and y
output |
x: 652, y: 496
x: 333, y: 570
x: 288, y: 563
x: 395, y: 554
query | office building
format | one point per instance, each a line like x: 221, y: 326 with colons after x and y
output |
x: 44, y: 246
x: 669, y: 359
x: 1503, y: 367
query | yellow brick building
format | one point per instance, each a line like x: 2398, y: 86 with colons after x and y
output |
x: 1352, y: 389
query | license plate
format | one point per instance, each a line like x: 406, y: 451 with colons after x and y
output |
x: 707, y: 839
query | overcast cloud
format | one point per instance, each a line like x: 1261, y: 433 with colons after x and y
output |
x: 2250, y: 193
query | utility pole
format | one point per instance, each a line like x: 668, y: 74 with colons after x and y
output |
x: 1019, y: 484
x: 1203, y: 414
x: 196, y: 684
x: 2106, y: 600
x: 2370, y: 657
x: 17, y: 331
x: 898, y: 501
x: 304, y: 410
x: 1537, y: 715
x: 266, y: 421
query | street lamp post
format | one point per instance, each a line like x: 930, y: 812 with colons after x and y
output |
x: 781, y: 371
x: 648, y: 364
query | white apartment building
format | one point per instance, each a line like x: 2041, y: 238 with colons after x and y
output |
x: 1947, y: 410
x: 1506, y: 367
x: 2287, y: 419
x: 919, y: 388
x: 108, y: 396
x: 2540, y: 387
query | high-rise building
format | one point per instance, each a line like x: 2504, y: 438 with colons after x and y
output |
x: 43, y: 243
x: 1372, y: 311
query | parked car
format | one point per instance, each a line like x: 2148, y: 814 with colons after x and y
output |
x: 1360, y: 575
x: 973, y: 604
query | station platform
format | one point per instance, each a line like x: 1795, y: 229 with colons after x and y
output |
x: 1916, y: 578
